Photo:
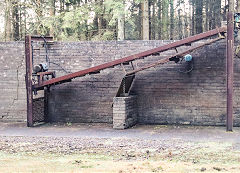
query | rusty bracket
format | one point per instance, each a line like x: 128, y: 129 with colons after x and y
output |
x: 176, y: 50
x: 125, y: 86
x: 132, y: 65
x: 40, y: 76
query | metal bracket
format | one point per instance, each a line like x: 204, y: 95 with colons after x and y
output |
x: 124, y: 70
x: 132, y: 65
x: 125, y: 86
x: 176, y: 50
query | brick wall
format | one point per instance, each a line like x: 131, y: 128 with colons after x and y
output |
x: 12, y: 82
x: 164, y: 94
x: 124, y: 112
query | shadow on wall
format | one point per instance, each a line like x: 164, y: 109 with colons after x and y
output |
x: 198, y: 98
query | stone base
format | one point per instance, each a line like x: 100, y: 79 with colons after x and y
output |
x: 124, y: 112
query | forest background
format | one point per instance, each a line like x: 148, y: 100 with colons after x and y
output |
x: 74, y: 20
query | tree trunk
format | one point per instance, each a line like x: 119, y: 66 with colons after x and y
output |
x: 231, y: 5
x: 67, y: 6
x: 95, y: 24
x: 8, y: 27
x: 52, y: 14
x: 62, y: 2
x: 39, y: 12
x: 138, y: 21
x: 180, y: 34
x: 85, y: 22
x: 100, y: 19
x: 224, y: 14
x: 165, y: 19
x: 193, y: 17
x: 25, y: 19
x: 206, y: 27
x: 217, y: 13
x: 52, y: 7
x: 159, y: 20
x: 238, y: 6
x: 171, y: 20
x: 21, y: 20
x: 15, y: 20
x: 210, y: 15
x: 145, y: 20
x: 185, y: 25
x: 153, y: 22
x: 121, y: 21
x: 199, y: 17
x: 189, y: 22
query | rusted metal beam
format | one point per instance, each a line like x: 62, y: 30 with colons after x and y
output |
x: 229, y: 59
x: 165, y: 60
x: 40, y: 38
x: 28, y: 78
x: 133, y: 57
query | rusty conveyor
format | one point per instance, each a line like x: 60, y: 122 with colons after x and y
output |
x: 155, y: 51
x: 127, y: 80
x: 129, y: 77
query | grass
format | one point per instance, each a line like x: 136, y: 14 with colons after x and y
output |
x: 200, y: 157
x: 45, y: 162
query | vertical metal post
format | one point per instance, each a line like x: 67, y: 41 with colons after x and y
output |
x: 230, y: 44
x: 46, y: 96
x: 28, y: 78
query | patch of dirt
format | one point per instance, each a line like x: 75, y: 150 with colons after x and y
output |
x: 127, y: 155
x: 65, y: 145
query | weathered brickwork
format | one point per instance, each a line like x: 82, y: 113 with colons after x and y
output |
x: 12, y: 82
x: 124, y: 112
x: 164, y: 95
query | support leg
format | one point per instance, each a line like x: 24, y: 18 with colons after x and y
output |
x: 230, y: 44
x: 28, y: 78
